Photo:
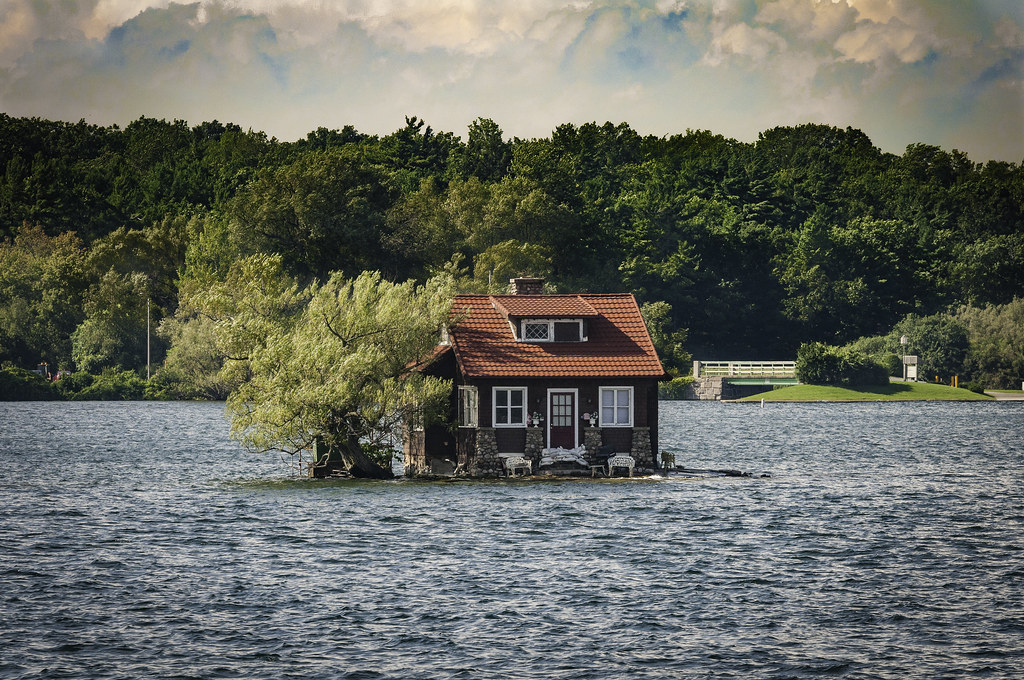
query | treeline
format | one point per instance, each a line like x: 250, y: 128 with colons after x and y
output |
x: 740, y: 250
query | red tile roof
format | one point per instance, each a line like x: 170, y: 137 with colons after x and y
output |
x: 543, y: 306
x: 618, y: 342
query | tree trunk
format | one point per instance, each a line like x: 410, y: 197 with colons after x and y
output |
x: 347, y: 458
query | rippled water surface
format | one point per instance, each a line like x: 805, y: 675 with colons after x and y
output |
x: 137, y: 540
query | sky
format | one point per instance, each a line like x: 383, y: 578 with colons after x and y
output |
x: 943, y: 72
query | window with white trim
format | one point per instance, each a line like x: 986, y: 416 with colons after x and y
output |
x: 616, y: 406
x: 552, y: 330
x: 469, y: 406
x: 536, y: 331
x: 509, y: 406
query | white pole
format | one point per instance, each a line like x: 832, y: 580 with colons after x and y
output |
x: 147, y: 339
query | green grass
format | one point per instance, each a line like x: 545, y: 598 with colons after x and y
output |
x: 890, y: 392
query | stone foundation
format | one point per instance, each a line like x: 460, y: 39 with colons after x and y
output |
x: 534, y: 445
x: 716, y: 389
x: 592, y: 441
x: 486, y: 461
x: 641, y: 450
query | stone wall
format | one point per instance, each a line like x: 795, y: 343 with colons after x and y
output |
x: 592, y: 441
x: 486, y: 461
x: 716, y: 389
x: 641, y: 451
x: 414, y: 448
x: 534, y: 444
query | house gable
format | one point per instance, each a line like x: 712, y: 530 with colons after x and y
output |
x: 612, y: 340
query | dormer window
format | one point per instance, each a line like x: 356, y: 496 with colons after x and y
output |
x: 536, y: 331
x: 551, y: 330
x: 568, y: 331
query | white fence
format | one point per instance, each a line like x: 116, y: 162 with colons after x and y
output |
x: 744, y: 369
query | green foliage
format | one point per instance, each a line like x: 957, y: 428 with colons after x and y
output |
x: 995, y: 358
x: 939, y: 341
x: 675, y: 388
x: 878, y: 348
x: 334, y: 362
x: 811, y: 233
x: 509, y: 259
x: 110, y: 385
x: 486, y: 156
x: 19, y: 384
x: 158, y: 251
x: 669, y: 344
x: 73, y: 383
x: 113, y: 334
x: 821, y: 364
x: 322, y: 212
x: 194, y: 362
x: 896, y: 391
x: 42, y: 282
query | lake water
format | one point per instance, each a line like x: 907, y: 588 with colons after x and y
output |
x: 137, y: 540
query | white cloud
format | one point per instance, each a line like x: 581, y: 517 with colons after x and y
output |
x: 745, y: 41
x: 733, y: 66
x: 816, y: 20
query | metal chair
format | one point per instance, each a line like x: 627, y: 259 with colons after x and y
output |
x: 621, y: 460
x: 514, y: 464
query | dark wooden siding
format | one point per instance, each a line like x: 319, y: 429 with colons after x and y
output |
x: 645, y: 405
x: 510, y: 439
x: 619, y: 438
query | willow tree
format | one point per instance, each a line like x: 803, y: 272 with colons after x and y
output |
x: 332, y: 366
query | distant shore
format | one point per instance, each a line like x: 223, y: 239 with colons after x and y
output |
x: 897, y: 391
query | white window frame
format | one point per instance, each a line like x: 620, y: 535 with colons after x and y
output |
x: 615, y: 390
x: 538, y: 322
x: 494, y: 406
x: 473, y: 403
x: 550, y: 323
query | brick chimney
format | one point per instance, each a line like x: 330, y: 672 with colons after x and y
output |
x: 527, y: 285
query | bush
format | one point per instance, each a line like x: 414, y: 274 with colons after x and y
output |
x: 821, y: 364
x: 974, y: 386
x: 112, y: 385
x: 70, y: 385
x: 674, y: 388
x: 939, y: 341
x: 19, y: 384
x: 996, y: 354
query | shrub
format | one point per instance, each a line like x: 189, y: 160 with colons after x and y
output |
x: 674, y: 388
x: 939, y: 341
x: 113, y: 385
x: 70, y: 385
x: 821, y: 364
x: 19, y: 384
x: 974, y: 386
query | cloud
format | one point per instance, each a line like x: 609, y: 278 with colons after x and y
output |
x: 902, y: 70
x: 742, y: 40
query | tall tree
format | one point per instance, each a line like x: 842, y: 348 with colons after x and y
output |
x: 487, y: 156
x: 334, y: 363
x: 42, y: 285
x: 323, y: 212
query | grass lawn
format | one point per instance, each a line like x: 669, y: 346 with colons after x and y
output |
x: 890, y: 392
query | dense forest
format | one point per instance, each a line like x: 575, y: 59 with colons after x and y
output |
x: 737, y: 250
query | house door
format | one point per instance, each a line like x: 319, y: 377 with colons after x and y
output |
x: 562, y: 419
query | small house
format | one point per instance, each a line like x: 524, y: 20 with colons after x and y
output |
x: 536, y: 373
